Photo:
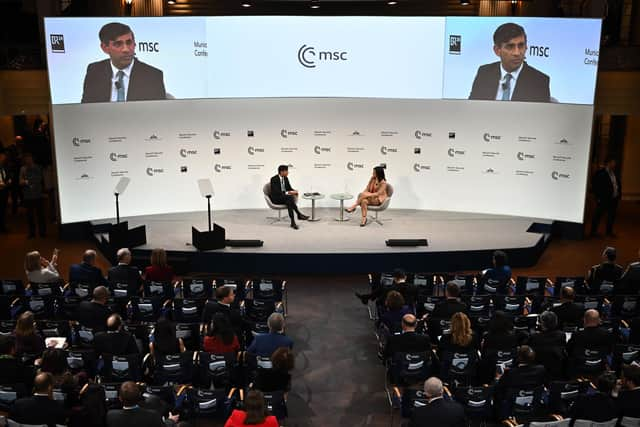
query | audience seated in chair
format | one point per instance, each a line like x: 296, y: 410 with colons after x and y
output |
x: 40, y: 270
x: 86, y: 272
x: 599, y: 406
x: 438, y: 412
x: 115, y: 341
x: 628, y: 401
x: 379, y: 292
x: 223, y: 304
x: 39, y: 408
x: 592, y: 338
x: 12, y: 371
x: 408, y: 341
x: 159, y: 270
x: 165, y: 341
x: 94, y: 314
x: 569, y: 313
x: 255, y: 413
x: 526, y: 374
x: 603, y: 278
x: 131, y: 414
x: 264, y: 345
x: 394, y: 310
x: 125, y: 274
x: 278, y: 378
x: 28, y: 340
x: 451, y: 305
x: 499, y: 275
x: 549, y: 345
x: 220, y: 337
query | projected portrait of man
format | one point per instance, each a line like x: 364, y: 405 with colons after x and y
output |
x: 122, y: 77
x: 511, y: 78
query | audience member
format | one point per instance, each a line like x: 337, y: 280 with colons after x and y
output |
x: 568, y: 312
x: 40, y: 270
x: 91, y: 410
x: 408, y: 341
x: 599, y: 406
x: 86, y: 272
x: 54, y: 362
x: 220, y: 337
x: 379, y: 292
x: 438, y: 412
x: 592, y: 337
x: 451, y: 304
x: 31, y: 181
x: 159, y: 270
x: 94, y: 314
x: 462, y: 337
x: 255, y: 413
x: 603, y: 277
x: 630, y: 281
x: 628, y: 401
x: 12, y: 371
x: 527, y: 374
x: 28, y: 340
x: 265, y: 344
x: 499, y: 338
x: 500, y: 274
x: 549, y: 345
x: 39, y: 409
x: 395, y: 309
x: 131, y: 414
x: 160, y: 407
x: 225, y: 295
x: 278, y: 378
x: 165, y: 341
x: 124, y: 273
x: 115, y: 341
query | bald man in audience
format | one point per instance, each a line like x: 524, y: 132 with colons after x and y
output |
x: 124, y: 273
x: 408, y: 341
x: 438, y: 412
x: 39, y: 409
x: 94, y: 314
x: 569, y: 313
x: 592, y: 337
x: 86, y: 272
x: 115, y: 341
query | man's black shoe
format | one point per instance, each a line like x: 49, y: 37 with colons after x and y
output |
x: 302, y: 217
x: 294, y: 226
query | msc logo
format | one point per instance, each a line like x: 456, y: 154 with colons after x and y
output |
x: 318, y: 150
x: 308, y: 57
x: 418, y: 167
x: 287, y: 133
x: 153, y: 171
x: 455, y: 44
x: 219, y: 168
x: 57, y: 43
x: 184, y: 152
x: 421, y: 134
x: 77, y: 141
x: 488, y: 137
x: 153, y: 47
x: 539, y: 51
x: 352, y: 166
x: 253, y: 150
x: 523, y: 156
x: 557, y: 175
x: 114, y: 157
x: 453, y: 152
x: 217, y: 134
x: 385, y: 150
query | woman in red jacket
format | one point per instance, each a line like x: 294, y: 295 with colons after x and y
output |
x: 255, y: 413
x: 159, y: 270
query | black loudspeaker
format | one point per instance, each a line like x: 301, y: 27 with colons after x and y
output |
x: 245, y: 243
x: 206, y: 240
x: 407, y: 242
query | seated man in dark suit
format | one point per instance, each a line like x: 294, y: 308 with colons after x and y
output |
x: 282, y: 194
x: 408, y: 341
x: 131, y: 414
x: 592, y: 337
x: 225, y: 296
x: 550, y: 345
x: 94, y: 314
x: 603, y: 278
x: 86, y: 272
x: 630, y: 281
x: 598, y: 407
x: 39, y: 409
x: 527, y: 374
x: 114, y: 340
x: 628, y: 401
x: 438, y: 412
x: 511, y: 78
x: 123, y: 273
x: 122, y: 77
x: 451, y: 305
x: 569, y: 313
x: 12, y: 371
x: 379, y: 292
x: 265, y: 344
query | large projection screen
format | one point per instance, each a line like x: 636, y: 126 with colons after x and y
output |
x: 231, y: 98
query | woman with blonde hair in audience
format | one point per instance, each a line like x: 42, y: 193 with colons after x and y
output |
x: 461, y: 336
x: 40, y: 270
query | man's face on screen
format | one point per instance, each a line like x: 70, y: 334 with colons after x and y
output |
x: 512, y: 52
x: 121, y: 50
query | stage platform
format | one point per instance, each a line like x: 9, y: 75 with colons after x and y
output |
x: 457, y: 241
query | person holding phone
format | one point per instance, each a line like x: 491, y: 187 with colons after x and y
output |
x: 41, y: 270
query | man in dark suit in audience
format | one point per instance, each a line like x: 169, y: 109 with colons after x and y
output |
x: 630, y: 280
x: 86, y: 272
x: 607, y: 189
x: 12, y: 371
x: 123, y: 273
x: 451, y: 305
x: 511, y: 78
x: 115, y: 340
x: 131, y: 414
x: 592, y: 337
x: 94, y: 314
x: 39, y: 409
x: 438, y: 412
x: 527, y: 374
x: 283, y: 194
x: 603, y: 278
x: 265, y: 344
x: 122, y: 77
x: 628, y: 401
x: 408, y: 341
x: 379, y: 292
x: 568, y: 312
x: 225, y: 296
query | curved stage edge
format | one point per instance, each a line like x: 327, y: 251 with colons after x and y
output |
x: 457, y: 242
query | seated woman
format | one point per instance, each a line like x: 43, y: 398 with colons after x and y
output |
x: 278, y: 378
x: 40, y: 270
x: 220, y: 338
x: 396, y: 309
x: 28, y: 340
x: 255, y: 413
x: 462, y: 337
x: 159, y: 270
x: 374, y: 194
x: 165, y: 341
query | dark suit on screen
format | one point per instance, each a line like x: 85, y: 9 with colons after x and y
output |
x: 145, y: 83
x: 531, y: 85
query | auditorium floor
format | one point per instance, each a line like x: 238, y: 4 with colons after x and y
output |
x: 338, y: 380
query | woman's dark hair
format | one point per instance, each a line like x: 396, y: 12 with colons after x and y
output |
x: 54, y: 361
x: 379, y: 170
x: 255, y: 407
x: 221, y: 328
x: 93, y: 412
x: 394, y: 301
x: 282, y: 359
x: 164, y: 336
x: 500, y: 258
x: 606, y: 382
x: 500, y: 323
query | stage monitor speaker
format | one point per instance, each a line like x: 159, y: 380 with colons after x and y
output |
x: 407, y: 242
x: 207, y: 240
x: 120, y: 236
x: 245, y: 243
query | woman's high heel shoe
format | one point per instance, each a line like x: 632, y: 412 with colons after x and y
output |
x: 363, y: 223
x: 349, y: 210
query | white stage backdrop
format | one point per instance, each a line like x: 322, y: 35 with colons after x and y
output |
x: 330, y: 97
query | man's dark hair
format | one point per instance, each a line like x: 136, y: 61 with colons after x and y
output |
x: 399, y: 273
x: 282, y: 168
x: 42, y: 382
x: 631, y: 373
x: 453, y: 290
x: 500, y: 258
x: 526, y: 355
x: 129, y: 393
x: 506, y: 32
x: 7, y: 344
x: 606, y: 382
x: 112, y: 31
x: 611, y: 253
x: 222, y: 292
